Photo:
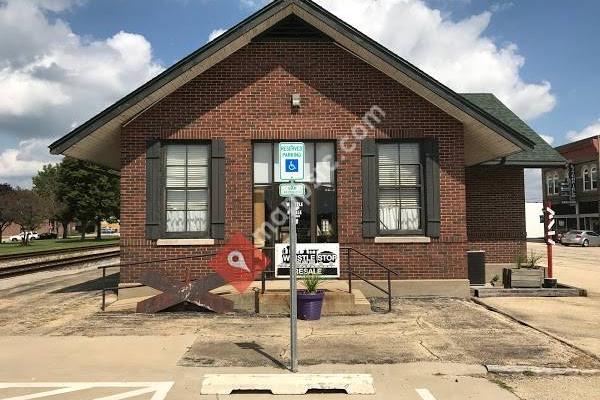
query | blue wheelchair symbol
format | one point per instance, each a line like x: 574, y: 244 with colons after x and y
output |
x: 291, y: 165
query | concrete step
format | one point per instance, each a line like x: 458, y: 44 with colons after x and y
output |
x: 275, y: 300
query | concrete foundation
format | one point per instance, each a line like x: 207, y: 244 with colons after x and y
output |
x: 458, y: 288
x: 275, y: 300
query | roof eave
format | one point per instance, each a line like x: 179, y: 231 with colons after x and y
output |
x: 126, y: 103
x: 526, y: 164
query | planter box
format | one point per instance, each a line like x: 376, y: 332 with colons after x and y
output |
x: 523, y: 278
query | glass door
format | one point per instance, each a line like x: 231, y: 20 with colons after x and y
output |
x: 316, y: 214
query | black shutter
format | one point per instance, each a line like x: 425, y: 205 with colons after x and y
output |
x: 369, y: 188
x: 432, y: 187
x: 153, y: 189
x: 217, y: 187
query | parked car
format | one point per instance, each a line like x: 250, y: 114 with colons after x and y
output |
x: 107, y: 231
x: 581, y: 238
x: 19, y: 237
x: 47, y: 235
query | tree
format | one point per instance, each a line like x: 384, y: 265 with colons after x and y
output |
x: 27, y: 210
x: 90, y: 191
x: 5, y: 218
x: 45, y: 184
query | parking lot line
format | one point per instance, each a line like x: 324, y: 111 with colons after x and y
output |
x: 160, y: 389
x: 425, y: 394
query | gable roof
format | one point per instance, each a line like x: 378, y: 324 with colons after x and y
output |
x: 540, y: 155
x: 486, y: 136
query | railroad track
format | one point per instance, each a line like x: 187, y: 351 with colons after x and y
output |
x: 37, y: 266
x: 10, y: 257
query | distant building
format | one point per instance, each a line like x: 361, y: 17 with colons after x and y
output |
x: 573, y: 190
x: 533, y: 225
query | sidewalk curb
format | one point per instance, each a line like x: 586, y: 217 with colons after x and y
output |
x: 538, y: 371
x: 520, y: 321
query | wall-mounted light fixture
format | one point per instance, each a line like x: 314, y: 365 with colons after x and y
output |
x: 295, y: 99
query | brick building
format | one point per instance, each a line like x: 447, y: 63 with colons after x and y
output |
x: 573, y: 191
x: 401, y: 168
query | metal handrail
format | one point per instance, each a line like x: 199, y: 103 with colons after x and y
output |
x: 352, y: 273
x: 371, y: 259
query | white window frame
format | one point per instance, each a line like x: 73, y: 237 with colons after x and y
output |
x: 549, y: 184
x: 185, y: 234
x: 586, y: 177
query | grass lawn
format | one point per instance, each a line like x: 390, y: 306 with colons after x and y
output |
x: 54, y: 244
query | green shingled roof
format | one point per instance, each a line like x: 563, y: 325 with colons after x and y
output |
x: 541, y: 155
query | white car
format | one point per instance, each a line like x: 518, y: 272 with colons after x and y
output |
x: 19, y: 237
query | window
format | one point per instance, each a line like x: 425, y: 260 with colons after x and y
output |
x: 594, y: 175
x: 552, y: 183
x: 186, y: 195
x: 549, y: 188
x: 319, y: 158
x: 400, y: 191
x: 587, y: 183
x: 316, y: 218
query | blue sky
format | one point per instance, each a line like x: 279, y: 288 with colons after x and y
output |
x: 539, y: 56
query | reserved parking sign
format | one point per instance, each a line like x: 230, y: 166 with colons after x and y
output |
x: 291, y: 161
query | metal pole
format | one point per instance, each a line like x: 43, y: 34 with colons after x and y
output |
x: 293, y: 289
x: 389, y: 291
x: 349, y: 266
x: 103, y: 289
x: 548, y: 238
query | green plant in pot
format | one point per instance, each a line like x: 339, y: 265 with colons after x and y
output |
x: 527, y: 273
x: 310, y: 300
x: 528, y: 261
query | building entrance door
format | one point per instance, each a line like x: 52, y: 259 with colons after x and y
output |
x: 316, y: 214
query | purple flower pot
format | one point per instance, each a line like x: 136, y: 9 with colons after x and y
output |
x: 309, y: 305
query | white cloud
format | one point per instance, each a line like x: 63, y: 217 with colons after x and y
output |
x: 590, y: 130
x: 549, y: 139
x: 55, y: 5
x: 216, y: 33
x: 18, y: 165
x: 51, y: 78
x: 254, y: 3
x: 457, y: 53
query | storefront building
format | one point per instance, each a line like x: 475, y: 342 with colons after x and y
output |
x: 573, y: 189
x: 398, y: 167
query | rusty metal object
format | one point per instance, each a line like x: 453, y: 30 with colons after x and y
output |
x: 175, y: 293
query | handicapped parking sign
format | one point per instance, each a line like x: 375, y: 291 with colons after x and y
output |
x: 291, y: 165
x: 291, y: 161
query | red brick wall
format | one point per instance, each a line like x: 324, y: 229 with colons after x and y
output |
x: 496, y: 212
x: 247, y: 97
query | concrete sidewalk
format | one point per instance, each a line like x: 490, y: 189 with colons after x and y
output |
x: 575, y: 320
x: 154, y: 359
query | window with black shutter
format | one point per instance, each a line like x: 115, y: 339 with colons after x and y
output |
x: 400, y: 188
x: 186, y: 206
